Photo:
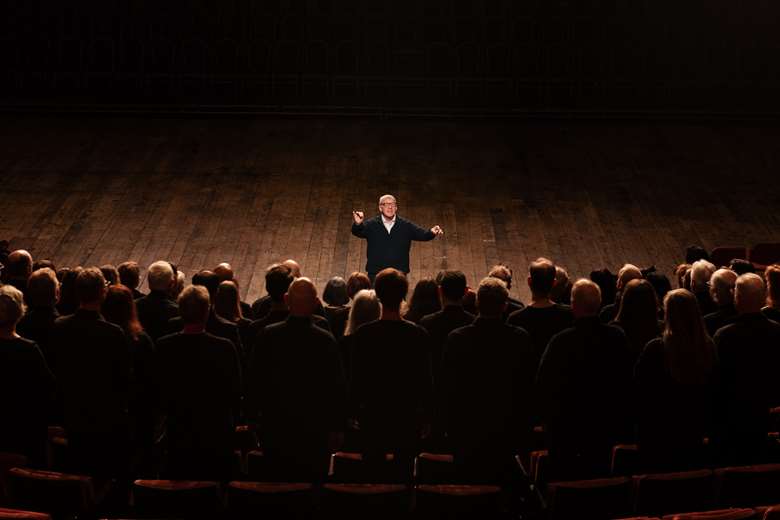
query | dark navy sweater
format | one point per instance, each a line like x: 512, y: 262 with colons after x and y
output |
x: 389, y: 249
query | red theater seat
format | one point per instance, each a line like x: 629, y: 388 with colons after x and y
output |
x: 682, y: 492
x: 598, y: 498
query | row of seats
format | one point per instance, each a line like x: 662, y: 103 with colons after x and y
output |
x: 760, y: 255
x: 666, y: 494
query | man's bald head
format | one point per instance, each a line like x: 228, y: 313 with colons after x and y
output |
x: 224, y: 272
x: 722, y: 286
x: 301, y: 297
x: 585, y: 298
x: 19, y: 264
x: 627, y: 273
x: 749, y: 293
x: 295, y: 267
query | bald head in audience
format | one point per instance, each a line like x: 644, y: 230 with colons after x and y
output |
x: 627, y: 273
x: 585, y: 298
x: 722, y: 286
x: 224, y: 272
x: 295, y: 267
x: 18, y: 269
x: 301, y: 297
x: 749, y: 294
x: 160, y: 276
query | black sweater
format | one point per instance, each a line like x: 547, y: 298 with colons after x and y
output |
x: 389, y: 249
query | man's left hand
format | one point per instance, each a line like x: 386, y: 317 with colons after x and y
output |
x: 437, y: 230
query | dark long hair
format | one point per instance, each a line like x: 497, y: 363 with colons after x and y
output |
x: 689, y: 353
x: 119, y: 308
x: 638, y: 313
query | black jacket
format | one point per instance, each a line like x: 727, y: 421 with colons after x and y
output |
x: 389, y: 249
x: 154, y: 311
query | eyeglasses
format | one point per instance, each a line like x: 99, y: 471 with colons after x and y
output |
x: 389, y: 204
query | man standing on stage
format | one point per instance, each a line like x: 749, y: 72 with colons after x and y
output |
x: 389, y: 237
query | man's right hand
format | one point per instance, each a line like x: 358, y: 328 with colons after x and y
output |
x: 357, y: 216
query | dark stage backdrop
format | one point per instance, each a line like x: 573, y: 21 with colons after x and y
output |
x: 657, y: 56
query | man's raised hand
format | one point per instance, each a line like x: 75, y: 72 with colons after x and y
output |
x: 437, y: 230
x: 357, y: 216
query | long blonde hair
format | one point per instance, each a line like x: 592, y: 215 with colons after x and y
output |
x: 689, y: 353
x: 365, y: 308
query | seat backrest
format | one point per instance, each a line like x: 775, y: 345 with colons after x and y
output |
x: 722, y: 256
x: 748, y: 486
x: 18, y: 514
x: 434, y: 468
x: 764, y: 254
x: 625, y: 460
x: 8, y: 461
x: 365, y: 500
x: 269, y: 499
x: 667, y: 493
x: 598, y: 498
x: 718, y: 514
x: 464, y: 501
x: 176, y: 498
x: 51, y: 492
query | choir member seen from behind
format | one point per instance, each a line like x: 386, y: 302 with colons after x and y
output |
x: 638, y: 315
x: 93, y: 370
x: 225, y: 273
x: 119, y: 308
x: 581, y: 390
x: 486, y: 386
x: 365, y: 308
x: 43, y: 290
x: 18, y: 268
x: 772, y: 308
x: 701, y: 272
x: 542, y: 318
x: 721, y: 285
x: 26, y: 385
x: 749, y: 354
x: 391, y: 387
x: 227, y: 306
x: 452, y: 288
x: 199, y: 377
x: 130, y: 277
x: 627, y: 273
x: 297, y: 389
x: 336, y: 305
x: 156, y: 308
x: 424, y: 300
x: 675, y: 380
x: 504, y: 273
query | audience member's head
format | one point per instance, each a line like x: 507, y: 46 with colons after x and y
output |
x: 391, y: 287
x: 69, y: 301
x: 129, y: 274
x: 365, y: 308
x: 301, y: 297
x: 43, y: 288
x: 207, y: 279
x: 356, y: 282
x: 178, y: 287
x: 561, y: 291
x: 335, y: 293
x: 62, y: 272
x: 701, y: 272
x: 278, y: 278
x: 110, y: 273
x: 585, y: 298
x: 12, y: 307
x: 772, y: 276
x: 541, y: 277
x: 638, y: 305
x: 627, y: 273
x: 224, y: 271
x: 194, y: 305
x: 696, y: 253
x: 660, y: 283
x: 424, y: 300
x: 19, y: 265
x: 683, y: 274
x: 608, y: 284
x: 90, y: 287
x: 43, y: 264
x: 227, y: 302
x: 749, y: 293
x: 119, y: 309
x: 722, y: 284
x: 492, y: 295
x: 160, y: 277
x: 688, y: 351
x: 740, y: 266
x: 470, y: 301
x: 452, y: 287
x: 295, y: 267
x: 503, y: 273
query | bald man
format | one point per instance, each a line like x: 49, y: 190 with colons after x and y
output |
x: 297, y: 385
x: 18, y: 269
x: 583, y: 386
x: 389, y: 237
x: 749, y: 354
x: 722, y: 293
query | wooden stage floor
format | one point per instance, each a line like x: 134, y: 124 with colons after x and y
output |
x: 89, y: 191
